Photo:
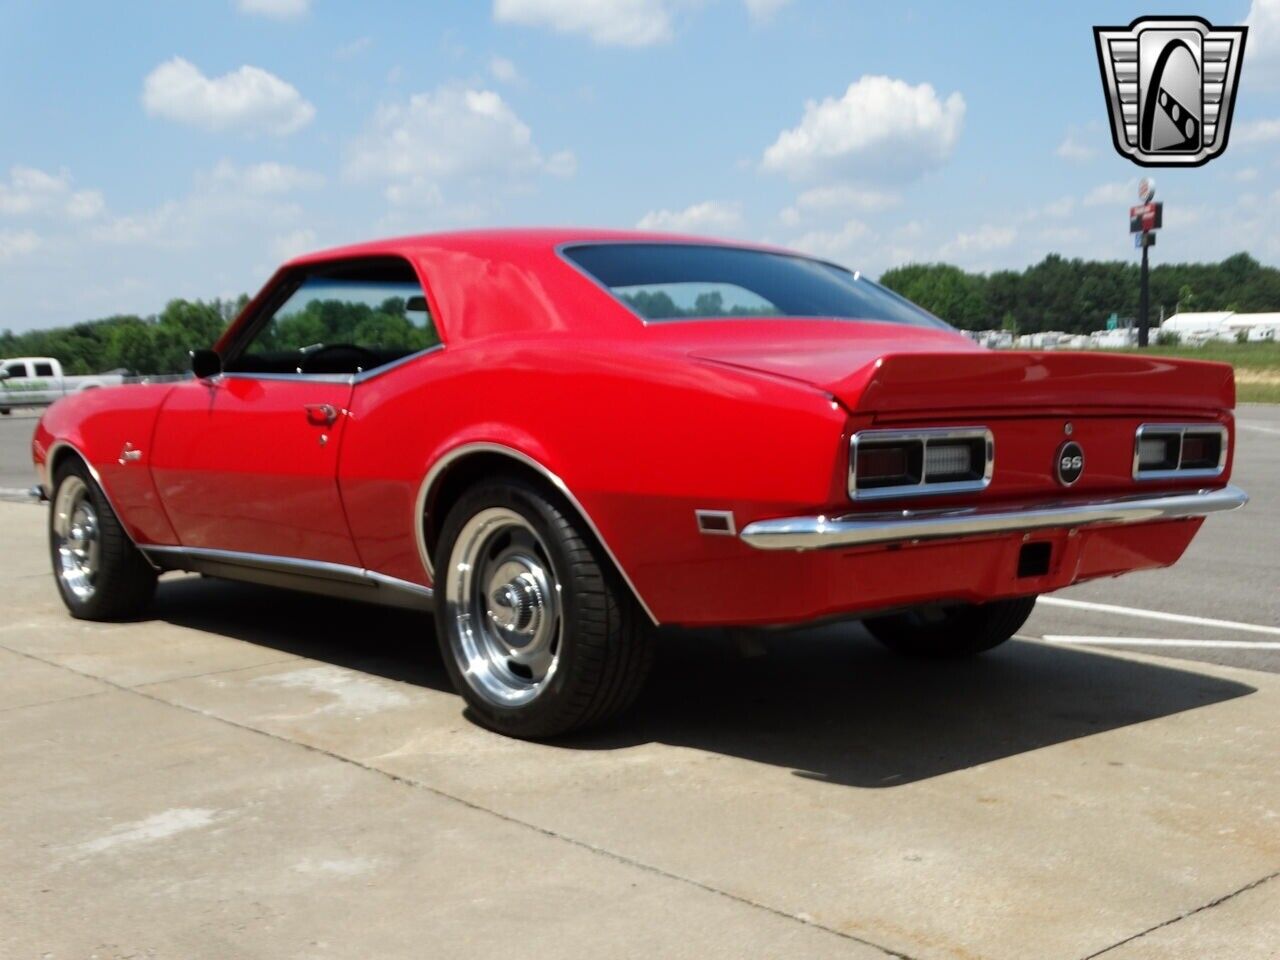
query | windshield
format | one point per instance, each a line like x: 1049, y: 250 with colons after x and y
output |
x: 674, y: 281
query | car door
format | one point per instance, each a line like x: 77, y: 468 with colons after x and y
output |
x: 248, y: 463
x: 247, y: 460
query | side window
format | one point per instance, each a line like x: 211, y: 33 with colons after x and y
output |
x: 44, y: 370
x: 16, y: 370
x: 341, y: 318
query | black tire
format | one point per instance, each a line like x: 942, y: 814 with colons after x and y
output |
x: 953, y: 631
x: 123, y: 583
x: 4, y: 411
x: 605, y: 643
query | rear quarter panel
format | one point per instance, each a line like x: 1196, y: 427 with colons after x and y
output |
x: 641, y: 439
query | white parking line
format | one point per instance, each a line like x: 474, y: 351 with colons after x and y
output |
x: 1153, y: 642
x: 1257, y: 426
x: 1159, y: 615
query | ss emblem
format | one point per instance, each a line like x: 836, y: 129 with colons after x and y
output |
x: 1070, y: 463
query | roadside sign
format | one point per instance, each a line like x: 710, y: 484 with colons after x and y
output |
x: 1144, y: 240
x: 1147, y: 189
x: 1146, y: 216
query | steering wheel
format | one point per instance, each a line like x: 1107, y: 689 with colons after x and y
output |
x: 367, y: 357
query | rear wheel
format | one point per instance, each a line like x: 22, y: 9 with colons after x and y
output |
x: 100, y: 574
x: 537, y: 632
x: 951, y: 631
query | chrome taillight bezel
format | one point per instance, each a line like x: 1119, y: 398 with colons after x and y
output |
x: 923, y: 488
x: 1180, y: 430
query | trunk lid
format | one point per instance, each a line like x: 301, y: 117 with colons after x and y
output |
x: 891, y: 370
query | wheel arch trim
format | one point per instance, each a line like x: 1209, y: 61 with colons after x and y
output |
x: 60, y: 448
x: 451, y: 458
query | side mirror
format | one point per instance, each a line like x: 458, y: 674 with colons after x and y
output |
x: 205, y: 364
x: 416, y: 304
x: 4, y: 374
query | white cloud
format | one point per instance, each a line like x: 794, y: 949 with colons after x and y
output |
x: 1247, y: 175
x: 1071, y: 148
x: 29, y: 190
x: 708, y: 216
x: 623, y: 23
x: 848, y: 245
x: 837, y: 199
x: 503, y: 70
x: 33, y: 192
x: 986, y: 238
x: 454, y: 136
x: 275, y: 9
x: 249, y: 99
x: 85, y: 204
x: 358, y: 46
x: 881, y: 128
x: 1262, y: 52
x: 762, y: 11
x: 1257, y: 131
x: 1119, y: 192
x: 291, y: 244
x: 16, y: 243
x: 264, y: 178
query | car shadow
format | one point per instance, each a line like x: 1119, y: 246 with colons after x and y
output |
x: 827, y: 703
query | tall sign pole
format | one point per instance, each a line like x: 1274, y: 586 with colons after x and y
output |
x: 1144, y: 220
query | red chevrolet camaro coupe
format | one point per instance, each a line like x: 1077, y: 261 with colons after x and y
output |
x: 558, y: 439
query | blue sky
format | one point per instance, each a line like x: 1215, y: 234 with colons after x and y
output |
x: 155, y: 150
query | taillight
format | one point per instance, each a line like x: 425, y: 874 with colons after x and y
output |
x: 899, y: 463
x: 1167, y: 450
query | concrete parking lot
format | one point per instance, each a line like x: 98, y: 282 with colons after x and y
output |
x: 248, y: 773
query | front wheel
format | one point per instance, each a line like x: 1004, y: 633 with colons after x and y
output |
x: 100, y: 574
x: 537, y: 631
x: 951, y: 631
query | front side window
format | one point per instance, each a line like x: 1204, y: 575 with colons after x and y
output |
x: 344, y: 318
x: 671, y: 281
x: 16, y: 369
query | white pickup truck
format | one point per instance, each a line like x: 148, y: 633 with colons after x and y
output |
x: 38, y: 381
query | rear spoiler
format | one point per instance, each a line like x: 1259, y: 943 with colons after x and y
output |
x: 1017, y: 380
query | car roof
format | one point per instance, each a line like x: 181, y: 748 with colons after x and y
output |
x: 513, y: 241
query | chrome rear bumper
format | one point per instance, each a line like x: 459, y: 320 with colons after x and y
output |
x: 859, y: 529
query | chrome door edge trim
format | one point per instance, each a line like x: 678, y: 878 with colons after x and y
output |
x: 820, y: 532
x: 438, y: 468
x: 321, y: 572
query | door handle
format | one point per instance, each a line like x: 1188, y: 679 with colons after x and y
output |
x: 321, y: 414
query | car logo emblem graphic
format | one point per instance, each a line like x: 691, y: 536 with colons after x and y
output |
x: 1170, y: 84
x: 1069, y: 463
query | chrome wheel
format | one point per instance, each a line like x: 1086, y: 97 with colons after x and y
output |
x: 77, y: 538
x: 504, y: 608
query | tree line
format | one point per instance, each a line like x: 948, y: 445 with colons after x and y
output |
x: 1079, y: 295
x: 1055, y: 294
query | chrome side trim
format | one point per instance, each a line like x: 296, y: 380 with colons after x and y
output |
x: 46, y: 481
x: 818, y: 533
x: 457, y: 453
x: 348, y: 378
x: 1181, y: 429
x: 315, y: 576
x: 923, y: 488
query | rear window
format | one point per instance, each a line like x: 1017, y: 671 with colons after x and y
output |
x: 675, y: 281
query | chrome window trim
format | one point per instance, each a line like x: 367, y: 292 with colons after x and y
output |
x: 912, y: 526
x: 1182, y: 429
x: 921, y: 489
x: 350, y: 378
x: 402, y: 592
x: 457, y: 453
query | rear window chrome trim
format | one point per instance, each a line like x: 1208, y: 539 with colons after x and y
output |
x: 923, y: 488
x: 351, y: 378
x: 1182, y: 429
